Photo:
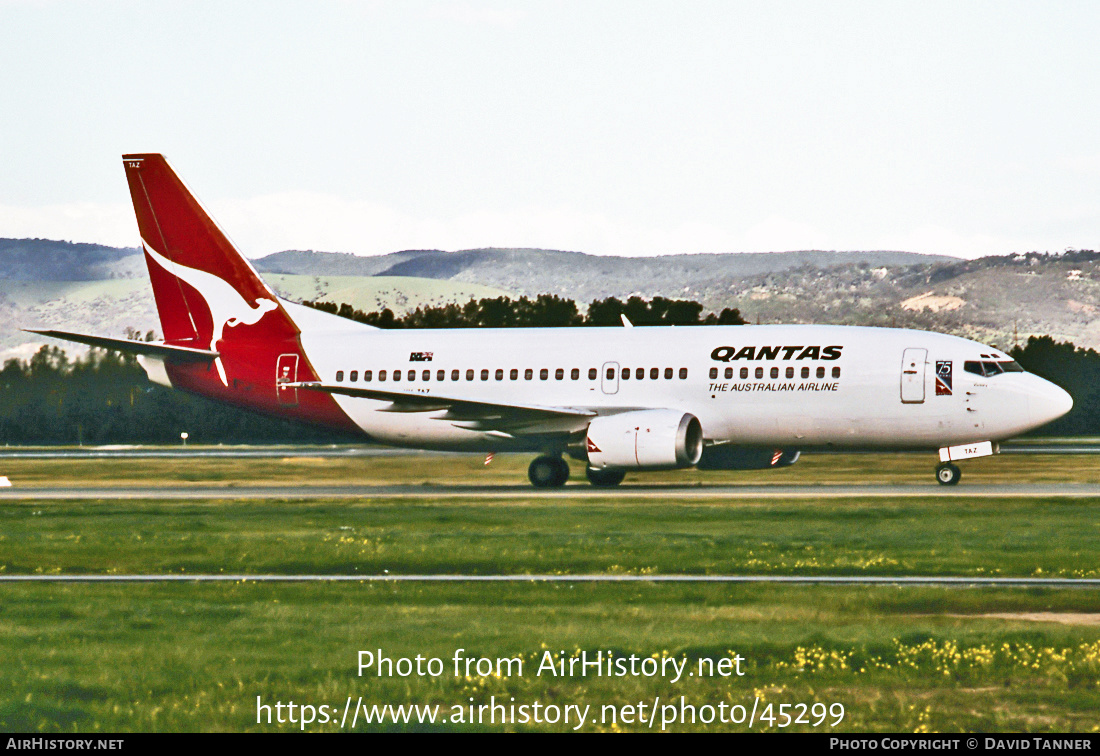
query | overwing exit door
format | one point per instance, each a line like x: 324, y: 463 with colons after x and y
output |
x: 610, y: 378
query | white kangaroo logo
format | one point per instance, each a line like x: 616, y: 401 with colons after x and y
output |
x: 227, y: 307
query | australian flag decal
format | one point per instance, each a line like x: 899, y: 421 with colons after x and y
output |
x: 943, y: 377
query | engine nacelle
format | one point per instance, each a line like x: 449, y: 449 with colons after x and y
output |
x: 746, y: 458
x: 645, y: 439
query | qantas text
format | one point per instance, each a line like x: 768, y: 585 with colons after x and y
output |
x: 728, y: 353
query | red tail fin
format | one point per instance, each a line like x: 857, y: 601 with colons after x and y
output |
x: 205, y: 290
x: 210, y: 298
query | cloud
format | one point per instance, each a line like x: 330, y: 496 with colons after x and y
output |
x: 111, y: 224
x: 317, y: 221
x: 475, y: 14
x: 307, y: 220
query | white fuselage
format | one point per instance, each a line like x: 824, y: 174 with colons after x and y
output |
x: 790, y: 395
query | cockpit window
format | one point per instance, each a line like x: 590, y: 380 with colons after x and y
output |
x: 988, y: 369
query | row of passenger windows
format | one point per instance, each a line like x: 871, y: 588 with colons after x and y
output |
x: 774, y: 372
x: 513, y: 374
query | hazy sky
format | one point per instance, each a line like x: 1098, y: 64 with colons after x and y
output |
x: 619, y: 128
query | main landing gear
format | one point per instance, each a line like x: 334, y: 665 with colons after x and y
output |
x: 548, y: 472
x: 605, y: 478
x: 948, y: 474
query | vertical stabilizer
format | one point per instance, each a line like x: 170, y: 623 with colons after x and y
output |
x: 204, y: 287
x: 210, y: 298
x: 205, y: 290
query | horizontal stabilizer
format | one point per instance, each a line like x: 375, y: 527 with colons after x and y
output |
x: 151, y: 348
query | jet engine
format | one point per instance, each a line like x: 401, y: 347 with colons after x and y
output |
x: 645, y: 439
x: 746, y: 458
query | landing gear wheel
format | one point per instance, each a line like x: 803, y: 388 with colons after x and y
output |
x: 948, y: 474
x: 548, y: 472
x: 605, y: 478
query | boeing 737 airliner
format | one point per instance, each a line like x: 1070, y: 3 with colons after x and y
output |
x: 617, y: 399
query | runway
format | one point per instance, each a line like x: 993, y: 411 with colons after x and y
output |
x: 210, y: 452
x: 1039, y: 446
x: 526, y: 492
x: 907, y: 580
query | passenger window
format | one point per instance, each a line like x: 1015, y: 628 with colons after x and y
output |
x: 790, y: 373
x: 592, y: 373
x: 574, y: 374
x: 381, y: 375
x: 454, y: 375
x: 528, y: 374
x: 820, y: 371
x: 729, y: 373
x: 626, y: 374
x: 397, y: 375
x: 774, y: 373
x: 354, y: 376
x: 367, y: 375
x: 426, y: 375
x: 440, y: 375
x: 470, y: 374
x: 639, y: 373
x: 339, y: 376
x: 683, y: 373
x: 668, y: 373
x: 513, y: 374
x: 544, y: 374
x: 412, y: 375
x: 805, y: 372
x: 744, y: 373
x: 654, y: 373
x: 836, y: 372
x: 713, y: 373
x: 759, y: 373
x: 499, y: 375
x: 610, y: 374
x: 559, y: 374
x: 484, y: 374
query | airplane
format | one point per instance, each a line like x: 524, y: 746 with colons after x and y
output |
x: 617, y: 399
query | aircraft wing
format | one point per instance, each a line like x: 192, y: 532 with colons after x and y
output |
x: 506, y: 419
x: 151, y: 348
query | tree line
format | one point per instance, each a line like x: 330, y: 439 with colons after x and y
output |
x: 544, y: 311
x: 105, y: 398
x: 1075, y: 369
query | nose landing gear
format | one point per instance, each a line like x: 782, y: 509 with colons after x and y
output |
x: 948, y: 474
x: 548, y: 472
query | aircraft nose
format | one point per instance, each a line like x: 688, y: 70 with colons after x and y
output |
x: 1047, y: 402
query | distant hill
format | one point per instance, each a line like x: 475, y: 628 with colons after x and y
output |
x: 574, y: 274
x: 48, y: 260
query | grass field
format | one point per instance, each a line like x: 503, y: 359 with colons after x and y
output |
x: 469, y: 469
x: 187, y: 656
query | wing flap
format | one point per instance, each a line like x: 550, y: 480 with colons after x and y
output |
x: 469, y: 413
